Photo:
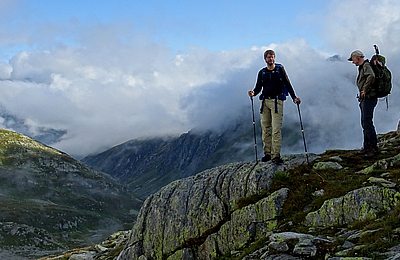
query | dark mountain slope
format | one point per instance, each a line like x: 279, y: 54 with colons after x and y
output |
x: 148, y: 165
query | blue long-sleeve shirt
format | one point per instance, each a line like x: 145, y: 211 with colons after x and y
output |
x: 273, y: 82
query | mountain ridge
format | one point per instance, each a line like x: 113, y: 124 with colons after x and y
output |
x: 45, y: 191
x: 149, y: 164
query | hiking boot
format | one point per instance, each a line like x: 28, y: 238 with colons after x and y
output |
x: 370, y: 153
x: 369, y: 150
x: 266, y: 158
x: 362, y: 151
x: 277, y: 160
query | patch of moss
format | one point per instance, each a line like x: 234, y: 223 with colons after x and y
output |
x: 301, y: 185
x: 303, y: 181
x: 281, y: 176
x: 383, y: 238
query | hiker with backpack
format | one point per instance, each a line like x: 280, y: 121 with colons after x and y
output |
x: 368, y: 99
x: 374, y: 80
x: 274, y: 85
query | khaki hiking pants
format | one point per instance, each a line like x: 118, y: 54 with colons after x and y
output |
x: 271, y: 125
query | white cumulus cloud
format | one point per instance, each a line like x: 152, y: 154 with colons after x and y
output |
x: 108, y: 83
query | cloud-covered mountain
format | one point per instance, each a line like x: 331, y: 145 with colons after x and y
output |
x: 110, y: 84
x: 42, y: 134
x: 149, y: 164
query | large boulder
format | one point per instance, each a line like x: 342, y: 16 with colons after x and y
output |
x: 213, y: 213
x: 358, y: 205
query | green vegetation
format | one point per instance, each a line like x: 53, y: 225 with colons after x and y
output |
x: 304, y: 182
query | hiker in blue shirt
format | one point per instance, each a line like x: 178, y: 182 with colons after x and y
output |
x: 274, y: 85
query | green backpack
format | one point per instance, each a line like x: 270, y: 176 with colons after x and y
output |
x: 383, y: 76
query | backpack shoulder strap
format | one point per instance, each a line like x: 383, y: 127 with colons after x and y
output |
x: 278, y: 67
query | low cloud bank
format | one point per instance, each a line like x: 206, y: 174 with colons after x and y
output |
x: 109, y: 89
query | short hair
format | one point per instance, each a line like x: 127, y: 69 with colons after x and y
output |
x: 270, y: 52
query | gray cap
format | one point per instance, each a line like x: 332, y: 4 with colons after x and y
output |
x: 355, y: 53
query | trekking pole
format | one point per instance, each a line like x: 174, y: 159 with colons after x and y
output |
x: 254, y: 129
x: 302, y: 132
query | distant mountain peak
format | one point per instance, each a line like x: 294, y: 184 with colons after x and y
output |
x: 43, y: 134
x: 335, y: 57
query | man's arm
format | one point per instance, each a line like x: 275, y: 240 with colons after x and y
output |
x: 258, y: 87
x: 288, y: 85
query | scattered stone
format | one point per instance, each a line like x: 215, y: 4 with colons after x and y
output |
x: 258, y: 254
x: 344, y: 234
x: 349, y: 258
x: 82, y: 256
x: 379, y: 165
x: 382, y: 182
x: 393, y: 253
x: 279, y: 257
x: 394, y: 257
x: 278, y: 247
x: 305, y: 248
x: 318, y: 193
x: 347, y: 245
x: 336, y: 158
x: 355, y: 237
x: 327, y: 166
x: 101, y: 248
x: 289, y: 236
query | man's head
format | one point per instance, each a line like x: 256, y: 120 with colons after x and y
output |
x: 269, y: 57
x: 357, y: 57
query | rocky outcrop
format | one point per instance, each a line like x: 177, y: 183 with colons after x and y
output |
x: 210, y: 214
x: 358, y: 205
